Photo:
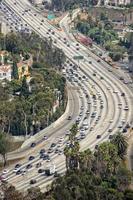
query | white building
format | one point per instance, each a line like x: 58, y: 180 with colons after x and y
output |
x: 5, y: 72
x: 36, y: 2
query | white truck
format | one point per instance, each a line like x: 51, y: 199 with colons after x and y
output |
x: 50, y: 170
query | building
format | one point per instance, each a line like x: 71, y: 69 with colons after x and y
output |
x: 37, y: 2
x: 5, y: 72
x: 116, y: 2
x: 5, y: 66
x: 23, y: 69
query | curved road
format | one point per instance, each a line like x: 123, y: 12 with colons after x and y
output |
x: 106, y: 114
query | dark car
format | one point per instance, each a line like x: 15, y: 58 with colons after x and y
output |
x: 122, y: 94
x: 31, y: 158
x: 33, y: 144
x: 124, y: 130
x: 38, y: 165
x: 41, y: 155
x: 56, y: 175
x: 53, y: 144
x: 18, y: 172
x: 33, y: 181
x: 50, y: 150
x: 17, y: 165
x: 42, y: 151
x: 46, y: 156
x: 41, y: 171
x: 110, y: 137
x: 96, y: 146
x: 69, y: 118
x: 98, y: 136
x: 28, y: 166
x: 127, y: 126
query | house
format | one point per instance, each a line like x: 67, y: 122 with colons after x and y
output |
x: 5, y: 72
x: 5, y: 66
x: 23, y: 69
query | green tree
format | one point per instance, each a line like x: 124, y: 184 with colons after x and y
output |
x: 120, y: 141
x: 24, y: 88
x: 15, y: 71
x: 5, y: 143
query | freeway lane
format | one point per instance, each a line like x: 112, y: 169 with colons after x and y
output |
x: 110, y: 89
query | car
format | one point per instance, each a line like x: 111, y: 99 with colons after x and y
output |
x: 53, y: 32
x: 69, y: 117
x: 122, y: 94
x: 56, y: 150
x: 80, y: 114
x: 41, y: 155
x: 19, y: 172
x: 111, y: 120
x: 38, y: 165
x: 124, y: 130
x: 56, y: 175
x: 29, y: 166
x: 90, y: 62
x: 50, y: 150
x: 96, y: 146
x: 17, y: 165
x: 23, y: 172
x: 126, y: 108
x: 98, y: 136
x: 42, y: 151
x: 67, y: 133
x: 98, y: 60
x: 45, y: 137
x: 121, y: 78
x: 110, y: 130
x: 127, y: 125
x: 31, y: 158
x: 60, y: 152
x: 110, y: 137
x: 41, y: 171
x: 5, y: 171
x: 77, y: 49
x: 33, y: 181
x: 33, y: 144
x: 91, y: 128
x: 53, y: 145
x: 82, y: 136
x: 46, y: 156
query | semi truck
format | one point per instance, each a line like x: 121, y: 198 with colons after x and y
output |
x: 50, y: 170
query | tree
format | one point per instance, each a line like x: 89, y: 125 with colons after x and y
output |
x: 24, y: 88
x: 5, y: 143
x: 120, y: 141
x: 72, y: 151
x: 13, y: 194
x: 15, y: 71
x: 107, y: 160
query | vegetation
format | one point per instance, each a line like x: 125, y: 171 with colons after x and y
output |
x: 5, y: 143
x: 101, y: 31
x: 70, y: 4
x: 100, y: 175
x: 26, y: 106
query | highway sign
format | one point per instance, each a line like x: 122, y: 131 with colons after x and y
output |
x: 78, y: 57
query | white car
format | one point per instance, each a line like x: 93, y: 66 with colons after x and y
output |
x: 5, y: 171
x: 15, y: 170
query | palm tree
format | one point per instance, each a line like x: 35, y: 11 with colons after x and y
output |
x: 85, y: 159
x: 120, y: 141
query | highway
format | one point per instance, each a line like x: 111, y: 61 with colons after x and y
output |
x: 106, y: 115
